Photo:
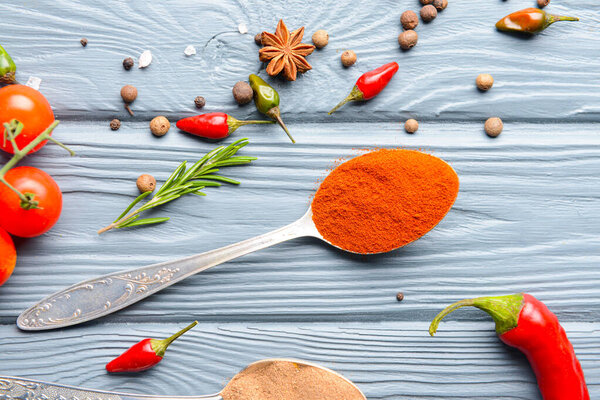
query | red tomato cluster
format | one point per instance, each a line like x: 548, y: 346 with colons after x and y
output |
x: 31, y: 108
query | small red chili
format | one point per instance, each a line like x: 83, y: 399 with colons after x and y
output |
x: 144, y: 354
x: 215, y: 125
x: 530, y: 20
x: 370, y: 84
x: 524, y: 322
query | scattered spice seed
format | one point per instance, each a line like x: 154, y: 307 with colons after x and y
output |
x: 408, y: 39
x: 409, y: 19
x: 400, y: 296
x: 348, y: 58
x: 145, y: 59
x: 34, y: 82
x: 428, y: 13
x: 484, y: 82
x: 83, y: 42
x: 129, y: 94
x: 320, y: 38
x: 242, y: 28
x: 440, y: 4
x: 159, y: 126
x: 411, y: 126
x: 128, y: 63
x: 543, y: 3
x: 258, y: 39
x: 146, y: 183
x: 115, y: 124
x: 493, y: 127
x: 242, y: 93
x: 199, y: 101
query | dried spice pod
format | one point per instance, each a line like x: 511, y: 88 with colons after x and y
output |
x: 266, y: 100
x: 530, y: 20
x: 8, y: 68
x: 285, y: 52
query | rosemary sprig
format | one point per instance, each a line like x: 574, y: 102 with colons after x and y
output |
x: 185, y: 181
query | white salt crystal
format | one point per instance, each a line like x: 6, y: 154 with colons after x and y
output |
x: 243, y: 28
x: 145, y: 59
x: 34, y: 82
x: 190, y: 50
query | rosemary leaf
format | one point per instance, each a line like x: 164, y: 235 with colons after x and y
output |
x: 137, y: 200
x: 146, y: 221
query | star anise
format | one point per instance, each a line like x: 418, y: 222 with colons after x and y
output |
x: 285, y: 52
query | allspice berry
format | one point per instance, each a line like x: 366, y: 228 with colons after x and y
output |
x: 129, y: 94
x: 543, y: 3
x: 146, y: 183
x: 115, y: 124
x: 242, y: 93
x: 409, y: 19
x: 399, y: 296
x: 159, y: 126
x: 411, y: 126
x: 320, y: 38
x: 425, y: 2
x: 128, y: 63
x: 258, y: 39
x: 199, y: 101
x: 428, y: 13
x: 493, y: 127
x: 484, y: 82
x: 408, y: 39
x: 348, y: 58
x: 440, y: 4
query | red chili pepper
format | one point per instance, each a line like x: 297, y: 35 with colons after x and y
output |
x: 530, y: 20
x: 524, y: 322
x: 144, y: 354
x: 370, y: 84
x: 213, y: 125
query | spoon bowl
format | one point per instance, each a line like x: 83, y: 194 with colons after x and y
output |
x: 20, y: 388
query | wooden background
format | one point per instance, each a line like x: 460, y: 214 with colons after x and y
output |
x: 526, y: 218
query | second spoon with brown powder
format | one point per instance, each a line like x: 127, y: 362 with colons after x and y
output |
x: 271, y: 379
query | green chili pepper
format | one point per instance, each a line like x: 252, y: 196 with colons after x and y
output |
x: 266, y: 100
x: 7, y: 67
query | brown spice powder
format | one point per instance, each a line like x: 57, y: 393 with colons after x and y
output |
x: 287, y: 380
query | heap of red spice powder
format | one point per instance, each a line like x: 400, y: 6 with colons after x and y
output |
x: 383, y: 200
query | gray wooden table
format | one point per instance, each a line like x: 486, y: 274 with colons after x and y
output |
x: 526, y: 218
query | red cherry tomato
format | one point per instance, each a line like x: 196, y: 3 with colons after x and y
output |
x: 8, y: 256
x: 29, y: 223
x: 28, y: 106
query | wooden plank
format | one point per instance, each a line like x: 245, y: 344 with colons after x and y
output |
x: 525, y: 220
x: 395, y: 360
x: 550, y: 76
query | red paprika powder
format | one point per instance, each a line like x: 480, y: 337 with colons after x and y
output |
x: 383, y: 200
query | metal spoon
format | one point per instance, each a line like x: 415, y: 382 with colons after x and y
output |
x: 12, y: 388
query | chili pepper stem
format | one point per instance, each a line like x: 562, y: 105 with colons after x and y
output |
x: 276, y: 115
x: 354, y: 95
x: 236, y: 123
x: 503, y: 309
x: 160, y: 346
x: 12, y: 129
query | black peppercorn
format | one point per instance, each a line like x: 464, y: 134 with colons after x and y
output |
x: 200, y: 102
x: 83, y: 42
x: 128, y: 63
x: 400, y: 296
x: 115, y: 124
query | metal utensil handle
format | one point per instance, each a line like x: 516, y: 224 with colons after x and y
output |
x: 12, y: 388
x: 106, y: 294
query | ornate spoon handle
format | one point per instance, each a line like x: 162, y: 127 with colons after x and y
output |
x: 26, y: 389
x: 106, y: 294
